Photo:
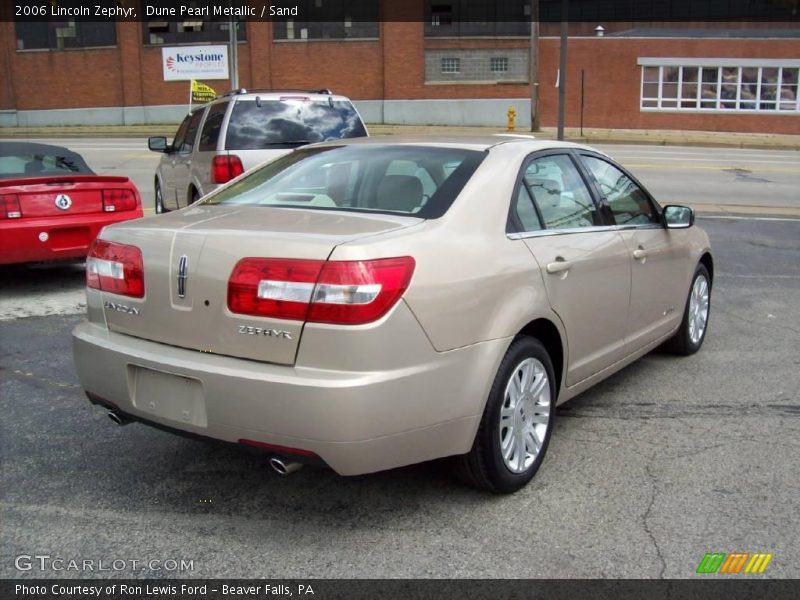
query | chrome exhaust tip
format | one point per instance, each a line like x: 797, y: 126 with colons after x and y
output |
x: 117, y: 418
x: 284, y: 468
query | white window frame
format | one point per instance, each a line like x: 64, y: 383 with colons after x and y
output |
x: 718, y: 63
x: 498, y: 61
x: 451, y: 65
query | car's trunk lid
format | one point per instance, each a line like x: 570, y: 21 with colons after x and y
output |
x: 203, y: 244
x: 62, y: 194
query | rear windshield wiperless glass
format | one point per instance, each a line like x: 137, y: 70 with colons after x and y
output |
x: 289, y: 123
x: 40, y: 163
x: 421, y: 181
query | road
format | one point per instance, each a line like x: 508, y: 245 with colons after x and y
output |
x: 663, y: 462
x: 701, y: 177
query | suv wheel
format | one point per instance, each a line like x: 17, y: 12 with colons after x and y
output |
x: 159, y: 200
x: 517, y: 422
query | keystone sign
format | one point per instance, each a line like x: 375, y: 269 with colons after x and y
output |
x: 184, y: 63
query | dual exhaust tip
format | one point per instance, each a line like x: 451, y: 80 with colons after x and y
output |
x: 278, y: 465
x: 282, y: 467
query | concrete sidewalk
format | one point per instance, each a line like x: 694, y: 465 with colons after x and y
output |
x: 589, y: 136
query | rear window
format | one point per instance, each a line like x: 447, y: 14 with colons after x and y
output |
x: 290, y: 122
x: 415, y: 180
x: 36, y: 163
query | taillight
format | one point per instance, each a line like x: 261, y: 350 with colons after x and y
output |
x: 341, y: 292
x: 224, y: 168
x: 118, y: 200
x: 115, y: 268
x: 9, y: 207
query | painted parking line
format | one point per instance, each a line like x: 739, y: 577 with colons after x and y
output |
x: 709, y: 168
x: 746, y: 218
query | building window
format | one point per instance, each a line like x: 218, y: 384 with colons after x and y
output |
x: 471, y: 18
x: 330, y: 19
x: 60, y: 35
x: 451, y: 65
x: 191, y: 30
x: 748, y: 86
x: 498, y: 64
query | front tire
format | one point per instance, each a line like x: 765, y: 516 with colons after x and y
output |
x: 690, y: 335
x: 517, y: 422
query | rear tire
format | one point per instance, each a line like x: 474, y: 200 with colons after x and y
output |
x: 517, y: 422
x: 690, y: 335
x: 159, y: 203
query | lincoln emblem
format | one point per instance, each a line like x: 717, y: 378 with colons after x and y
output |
x: 182, y: 270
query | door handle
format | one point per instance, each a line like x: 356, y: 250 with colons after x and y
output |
x: 559, y: 266
x: 640, y: 253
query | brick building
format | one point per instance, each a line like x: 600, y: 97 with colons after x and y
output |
x: 416, y: 67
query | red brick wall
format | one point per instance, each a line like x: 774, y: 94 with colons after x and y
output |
x: 612, y: 83
x: 392, y: 67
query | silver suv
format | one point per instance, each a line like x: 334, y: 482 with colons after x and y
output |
x: 220, y: 140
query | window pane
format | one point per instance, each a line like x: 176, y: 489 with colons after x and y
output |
x: 650, y: 90
x: 58, y: 35
x: 560, y: 193
x: 669, y: 90
x: 671, y: 74
x: 710, y: 74
x: 211, y: 128
x: 193, y: 30
x: 526, y: 212
x: 628, y: 202
x: 689, y: 74
x: 359, y: 178
x: 276, y: 122
x: 650, y: 74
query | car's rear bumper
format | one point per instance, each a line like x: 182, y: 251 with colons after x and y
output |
x: 53, y: 238
x: 356, y: 422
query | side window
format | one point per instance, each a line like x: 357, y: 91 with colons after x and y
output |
x: 560, y: 193
x: 526, y: 211
x: 191, y: 132
x: 180, y: 135
x: 628, y: 202
x: 211, y: 128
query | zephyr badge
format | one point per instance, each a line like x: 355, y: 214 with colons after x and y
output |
x: 182, y: 270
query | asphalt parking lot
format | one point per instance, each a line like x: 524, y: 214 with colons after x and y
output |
x: 665, y: 461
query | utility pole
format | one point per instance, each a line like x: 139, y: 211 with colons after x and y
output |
x: 534, y: 65
x: 234, y: 55
x: 562, y: 68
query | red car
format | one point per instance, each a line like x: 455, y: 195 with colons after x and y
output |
x: 52, y: 205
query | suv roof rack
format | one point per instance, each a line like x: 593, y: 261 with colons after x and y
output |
x: 240, y: 91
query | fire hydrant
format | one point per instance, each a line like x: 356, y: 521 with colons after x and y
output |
x: 512, y: 117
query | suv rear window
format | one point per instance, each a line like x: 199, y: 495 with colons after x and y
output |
x: 420, y: 181
x: 290, y: 122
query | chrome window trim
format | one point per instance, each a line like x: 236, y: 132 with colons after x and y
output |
x: 547, y: 232
x: 522, y: 235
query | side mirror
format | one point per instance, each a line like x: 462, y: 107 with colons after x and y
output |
x: 157, y: 144
x: 675, y: 216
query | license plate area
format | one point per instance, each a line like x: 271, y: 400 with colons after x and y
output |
x: 168, y: 396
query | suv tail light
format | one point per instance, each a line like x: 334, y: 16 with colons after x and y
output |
x: 224, y: 168
x: 115, y: 268
x: 340, y: 292
x: 9, y: 207
x: 118, y: 200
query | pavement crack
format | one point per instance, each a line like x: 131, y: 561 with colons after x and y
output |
x: 647, y: 513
